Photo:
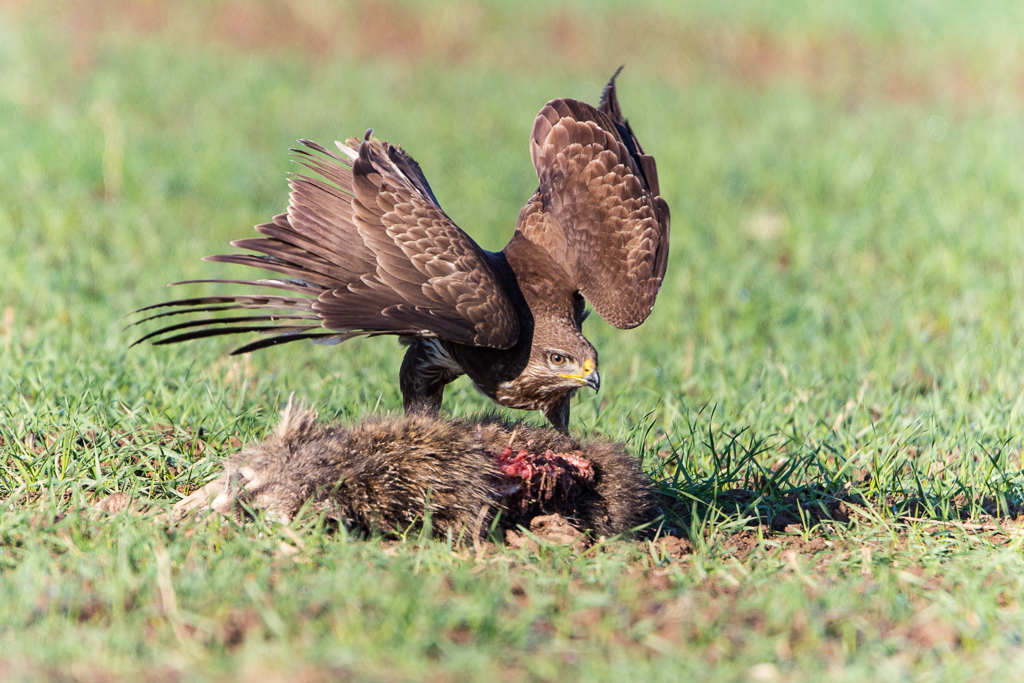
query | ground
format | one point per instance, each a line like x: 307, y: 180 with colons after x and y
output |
x: 828, y: 391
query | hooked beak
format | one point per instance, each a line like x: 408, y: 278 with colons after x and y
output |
x: 589, y: 377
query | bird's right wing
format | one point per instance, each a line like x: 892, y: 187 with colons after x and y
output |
x: 369, y: 251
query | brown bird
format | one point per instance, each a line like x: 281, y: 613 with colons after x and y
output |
x: 366, y: 249
x: 386, y: 474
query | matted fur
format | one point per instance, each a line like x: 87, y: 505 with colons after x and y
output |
x: 386, y: 473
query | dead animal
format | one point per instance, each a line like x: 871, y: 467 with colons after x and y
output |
x: 391, y: 474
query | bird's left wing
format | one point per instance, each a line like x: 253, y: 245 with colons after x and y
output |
x: 598, y: 211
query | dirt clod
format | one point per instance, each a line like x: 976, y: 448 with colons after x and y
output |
x: 675, y: 547
x: 114, y: 504
x: 553, y: 529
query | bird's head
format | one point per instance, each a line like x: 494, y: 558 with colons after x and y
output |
x: 561, y: 358
x: 570, y: 366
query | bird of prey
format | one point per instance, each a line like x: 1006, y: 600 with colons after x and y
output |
x: 365, y: 249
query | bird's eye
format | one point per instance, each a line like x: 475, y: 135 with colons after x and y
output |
x: 557, y: 359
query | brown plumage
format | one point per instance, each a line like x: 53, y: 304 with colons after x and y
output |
x: 366, y: 249
x: 385, y: 474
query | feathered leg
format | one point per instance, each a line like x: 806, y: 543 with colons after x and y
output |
x: 558, y: 414
x: 426, y: 369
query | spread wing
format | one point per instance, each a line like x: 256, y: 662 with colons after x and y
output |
x: 365, y: 249
x: 598, y: 211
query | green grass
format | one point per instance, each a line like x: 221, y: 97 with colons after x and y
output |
x: 839, y: 331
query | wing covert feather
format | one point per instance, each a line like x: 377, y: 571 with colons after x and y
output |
x: 425, y: 270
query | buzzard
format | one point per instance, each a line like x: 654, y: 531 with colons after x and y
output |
x: 365, y: 249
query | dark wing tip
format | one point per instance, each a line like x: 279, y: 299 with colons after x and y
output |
x: 609, y: 100
x: 610, y: 107
x: 281, y: 339
x: 412, y: 171
x: 314, y: 146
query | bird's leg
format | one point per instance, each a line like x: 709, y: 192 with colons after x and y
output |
x: 424, y: 374
x: 558, y: 413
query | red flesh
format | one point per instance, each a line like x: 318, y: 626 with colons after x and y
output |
x: 535, y: 477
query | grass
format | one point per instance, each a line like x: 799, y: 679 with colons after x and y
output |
x: 835, y: 355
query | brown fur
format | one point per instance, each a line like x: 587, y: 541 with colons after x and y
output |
x: 385, y: 474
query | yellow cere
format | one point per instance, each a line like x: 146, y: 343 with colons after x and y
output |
x: 588, y: 366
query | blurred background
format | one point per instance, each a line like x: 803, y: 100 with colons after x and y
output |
x: 844, y: 178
